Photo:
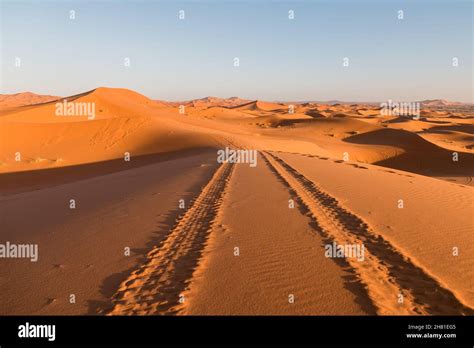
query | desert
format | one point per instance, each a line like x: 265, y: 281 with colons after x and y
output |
x: 169, y: 219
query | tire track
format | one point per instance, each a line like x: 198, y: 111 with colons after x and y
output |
x: 155, y: 287
x: 385, y: 272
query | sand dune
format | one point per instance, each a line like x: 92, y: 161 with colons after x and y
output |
x: 439, y: 102
x: 214, y: 101
x: 419, y: 155
x: 22, y: 99
x: 262, y: 106
x: 244, y: 240
x: 125, y: 122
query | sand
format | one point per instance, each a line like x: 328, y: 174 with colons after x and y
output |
x: 345, y: 168
x: 24, y: 99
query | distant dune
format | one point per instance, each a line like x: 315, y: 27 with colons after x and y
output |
x: 439, y: 102
x: 214, y: 101
x: 262, y: 106
x: 22, y: 99
x: 207, y: 102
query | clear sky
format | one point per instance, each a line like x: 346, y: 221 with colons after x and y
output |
x: 280, y: 59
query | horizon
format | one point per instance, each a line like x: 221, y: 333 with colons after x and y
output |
x: 280, y: 59
x: 238, y: 97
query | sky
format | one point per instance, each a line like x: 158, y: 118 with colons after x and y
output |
x: 280, y: 59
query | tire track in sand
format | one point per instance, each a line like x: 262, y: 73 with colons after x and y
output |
x: 385, y: 272
x: 155, y: 287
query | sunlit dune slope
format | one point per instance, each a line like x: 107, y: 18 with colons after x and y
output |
x: 125, y: 121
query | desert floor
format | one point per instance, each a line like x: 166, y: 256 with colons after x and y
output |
x: 229, y: 238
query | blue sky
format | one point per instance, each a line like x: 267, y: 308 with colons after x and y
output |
x: 280, y: 59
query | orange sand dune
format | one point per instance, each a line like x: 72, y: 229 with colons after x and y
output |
x: 22, y: 99
x: 262, y: 106
x: 219, y: 237
x: 214, y: 101
x: 125, y: 122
